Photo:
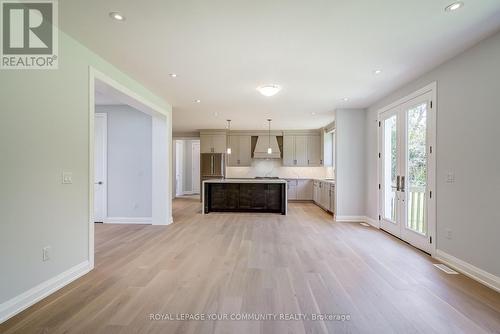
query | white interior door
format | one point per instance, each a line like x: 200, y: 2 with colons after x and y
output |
x: 407, y: 133
x: 100, y: 166
x: 195, y: 162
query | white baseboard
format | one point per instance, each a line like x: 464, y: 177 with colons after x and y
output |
x: 373, y: 222
x: 128, y: 220
x: 358, y: 219
x: 351, y: 219
x: 21, y: 302
x: 469, y: 270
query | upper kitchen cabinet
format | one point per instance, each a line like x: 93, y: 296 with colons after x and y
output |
x: 213, y: 142
x: 302, y: 149
x: 241, y: 151
x: 314, y: 151
x: 328, y: 148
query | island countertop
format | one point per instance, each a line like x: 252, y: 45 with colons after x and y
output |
x: 265, y: 181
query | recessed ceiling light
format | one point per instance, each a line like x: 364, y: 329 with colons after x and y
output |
x: 377, y: 71
x: 269, y: 90
x: 345, y: 99
x: 117, y: 16
x: 454, y: 6
x: 197, y: 101
x: 173, y: 75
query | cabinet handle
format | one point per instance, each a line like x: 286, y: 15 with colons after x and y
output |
x: 321, y: 161
x: 308, y: 162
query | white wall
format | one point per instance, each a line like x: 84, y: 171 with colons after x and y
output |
x: 350, y: 147
x: 44, y: 130
x: 129, y: 161
x: 468, y: 138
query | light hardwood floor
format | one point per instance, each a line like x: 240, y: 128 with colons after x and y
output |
x: 244, y: 263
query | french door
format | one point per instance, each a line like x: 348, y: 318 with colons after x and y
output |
x: 407, y: 202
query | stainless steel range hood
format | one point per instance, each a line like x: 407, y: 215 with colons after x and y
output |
x: 263, y: 143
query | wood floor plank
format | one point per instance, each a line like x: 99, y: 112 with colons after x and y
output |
x: 302, y: 263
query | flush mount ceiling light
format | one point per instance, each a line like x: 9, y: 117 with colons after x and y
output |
x: 313, y: 113
x: 345, y: 99
x: 269, y: 90
x: 197, y: 101
x: 377, y: 71
x: 173, y: 75
x: 117, y: 16
x: 454, y: 6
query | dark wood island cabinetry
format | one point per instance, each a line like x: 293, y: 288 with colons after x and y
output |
x: 244, y: 195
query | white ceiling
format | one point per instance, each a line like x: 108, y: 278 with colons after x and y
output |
x: 319, y: 51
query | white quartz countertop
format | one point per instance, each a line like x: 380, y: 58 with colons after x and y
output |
x: 245, y: 181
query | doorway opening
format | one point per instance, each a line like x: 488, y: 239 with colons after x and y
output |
x: 129, y: 170
x: 187, y: 167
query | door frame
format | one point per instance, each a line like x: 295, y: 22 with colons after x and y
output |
x: 104, y: 117
x: 193, y: 174
x: 179, y: 154
x: 431, y: 172
x: 161, y: 152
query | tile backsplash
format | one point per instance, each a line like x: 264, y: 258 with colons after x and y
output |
x: 273, y: 167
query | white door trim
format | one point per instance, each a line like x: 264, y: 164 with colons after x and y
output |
x: 162, y: 153
x: 104, y: 116
x: 195, y: 176
x: 179, y: 163
x: 431, y: 182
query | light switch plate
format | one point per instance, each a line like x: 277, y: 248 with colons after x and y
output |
x: 67, y: 178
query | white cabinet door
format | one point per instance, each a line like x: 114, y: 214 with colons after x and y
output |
x: 315, y: 191
x: 206, y: 144
x: 292, y: 189
x: 304, y: 190
x: 332, y: 198
x: 326, y: 196
x: 289, y: 150
x: 314, y: 150
x: 301, y: 150
x: 234, y: 157
x: 328, y: 150
x: 245, y: 151
x: 219, y: 143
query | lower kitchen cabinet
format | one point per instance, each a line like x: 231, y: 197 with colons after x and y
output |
x: 300, y: 190
x: 292, y: 190
x: 324, y: 195
x: 231, y: 196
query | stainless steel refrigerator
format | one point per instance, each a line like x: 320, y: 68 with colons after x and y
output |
x: 212, y: 166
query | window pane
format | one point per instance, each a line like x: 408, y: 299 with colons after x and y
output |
x: 390, y: 165
x: 417, y: 168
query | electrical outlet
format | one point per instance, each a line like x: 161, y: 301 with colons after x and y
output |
x: 67, y: 178
x: 449, y: 233
x: 46, y: 253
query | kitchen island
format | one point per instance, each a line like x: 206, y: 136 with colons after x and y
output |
x: 244, y: 195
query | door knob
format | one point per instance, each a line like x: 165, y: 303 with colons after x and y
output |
x: 100, y: 182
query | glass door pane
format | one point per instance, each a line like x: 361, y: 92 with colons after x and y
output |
x: 416, y: 163
x: 390, y: 162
